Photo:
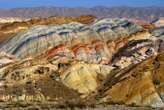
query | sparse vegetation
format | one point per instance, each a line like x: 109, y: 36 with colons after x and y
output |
x: 156, y: 82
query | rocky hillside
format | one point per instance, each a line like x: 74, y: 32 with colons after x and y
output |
x: 106, y: 61
x: 9, y: 29
x: 10, y: 20
x: 159, y: 22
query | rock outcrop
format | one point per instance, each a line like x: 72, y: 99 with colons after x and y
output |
x: 7, y: 30
x: 159, y: 22
x: 105, y: 61
x: 10, y: 20
x: 140, y: 85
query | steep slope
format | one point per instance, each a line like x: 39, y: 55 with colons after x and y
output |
x: 49, y: 79
x: 106, y: 61
x: 9, y: 29
x: 140, y: 85
x: 105, y: 29
x: 105, y: 41
x: 159, y: 22
x: 159, y: 33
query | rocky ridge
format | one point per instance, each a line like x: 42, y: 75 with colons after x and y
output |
x: 7, y: 30
x: 106, y: 61
x: 10, y: 19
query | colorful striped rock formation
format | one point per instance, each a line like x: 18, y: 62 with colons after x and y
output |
x: 105, y: 61
x: 137, y: 85
x: 8, y: 30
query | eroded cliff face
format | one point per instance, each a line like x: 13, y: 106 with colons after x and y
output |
x: 106, y: 61
x: 63, y: 79
x: 50, y: 80
x: 140, y: 85
x: 99, y: 42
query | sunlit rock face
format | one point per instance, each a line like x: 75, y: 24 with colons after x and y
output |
x: 134, y: 51
x: 142, y: 23
x: 159, y: 34
x: 10, y: 19
x: 50, y: 80
x: 8, y: 30
x: 108, y: 60
x: 85, y: 78
x: 45, y: 36
x: 98, y: 42
x: 159, y: 22
x: 141, y: 84
x: 6, y: 58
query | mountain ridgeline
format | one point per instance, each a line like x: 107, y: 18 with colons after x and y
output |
x: 148, y: 13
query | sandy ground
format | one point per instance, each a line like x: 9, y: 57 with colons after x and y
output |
x: 51, y: 106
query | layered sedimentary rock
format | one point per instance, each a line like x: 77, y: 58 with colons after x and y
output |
x: 48, y: 80
x: 106, y: 41
x: 140, y: 84
x: 9, y: 29
x: 62, y: 79
x: 106, y: 61
x: 6, y: 58
x: 103, y: 36
x: 143, y: 23
x: 159, y: 33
